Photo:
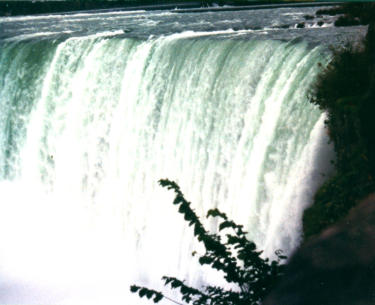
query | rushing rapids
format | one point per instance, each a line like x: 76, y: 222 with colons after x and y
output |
x: 89, y: 123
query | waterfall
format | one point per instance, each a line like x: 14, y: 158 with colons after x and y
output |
x: 90, y: 124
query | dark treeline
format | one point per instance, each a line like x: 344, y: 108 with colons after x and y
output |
x: 351, y: 13
x: 15, y: 8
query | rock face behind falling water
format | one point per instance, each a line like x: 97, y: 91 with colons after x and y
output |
x: 335, y: 268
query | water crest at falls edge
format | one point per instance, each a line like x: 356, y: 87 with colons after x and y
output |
x: 90, y: 124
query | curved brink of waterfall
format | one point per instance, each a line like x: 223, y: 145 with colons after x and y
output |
x: 90, y: 124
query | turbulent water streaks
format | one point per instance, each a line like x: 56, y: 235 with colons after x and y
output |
x: 227, y: 119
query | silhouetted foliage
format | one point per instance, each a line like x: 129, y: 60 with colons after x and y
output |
x: 345, y: 90
x: 228, y: 251
x: 351, y: 13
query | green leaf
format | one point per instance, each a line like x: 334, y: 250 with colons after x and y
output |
x: 158, y: 297
x: 143, y: 292
x: 149, y: 294
x: 198, y: 230
x: 216, y: 213
x: 176, y: 284
x: 227, y: 224
x: 178, y: 199
x: 184, y: 207
x: 134, y: 288
x: 205, y: 260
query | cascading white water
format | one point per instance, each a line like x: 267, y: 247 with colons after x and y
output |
x: 90, y: 124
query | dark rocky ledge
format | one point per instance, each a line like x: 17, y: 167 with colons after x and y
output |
x: 335, y: 268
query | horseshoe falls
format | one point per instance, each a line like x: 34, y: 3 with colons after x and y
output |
x: 91, y: 121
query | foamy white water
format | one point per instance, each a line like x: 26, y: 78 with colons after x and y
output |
x: 89, y: 124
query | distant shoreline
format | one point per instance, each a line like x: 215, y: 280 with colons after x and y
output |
x: 256, y: 7
x: 19, y: 8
